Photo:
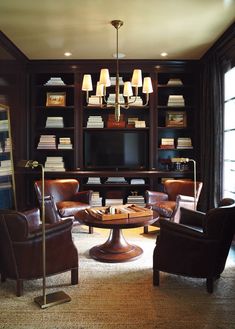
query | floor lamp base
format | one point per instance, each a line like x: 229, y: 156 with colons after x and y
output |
x: 52, y: 299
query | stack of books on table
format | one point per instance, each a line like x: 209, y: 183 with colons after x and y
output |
x: 113, y: 202
x: 55, y: 163
x: 3, y: 125
x: 116, y: 180
x: 47, y: 142
x: 93, y: 180
x: 137, y: 181
x: 6, y: 145
x: 184, y: 143
x: 176, y: 100
x: 65, y: 143
x: 167, y: 143
x: 54, y: 81
x: 175, y: 82
x: 54, y: 122
x: 136, y: 199
x: 95, y: 121
x: 94, y: 100
x: 5, y: 167
x: 96, y: 200
x: 136, y: 102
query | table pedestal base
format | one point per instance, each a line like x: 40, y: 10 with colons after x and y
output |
x: 116, y: 249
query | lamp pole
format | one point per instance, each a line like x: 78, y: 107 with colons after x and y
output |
x: 58, y: 297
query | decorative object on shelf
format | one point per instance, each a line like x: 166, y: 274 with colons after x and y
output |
x: 174, y: 82
x: 112, y: 123
x: 176, y: 100
x: 55, y: 81
x: 58, y: 297
x: 56, y: 99
x: 105, y: 81
x: 176, y: 119
x: 184, y: 143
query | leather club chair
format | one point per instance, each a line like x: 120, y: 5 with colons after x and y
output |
x: 62, y: 198
x: 185, y: 251
x: 21, y: 247
x: 177, y: 193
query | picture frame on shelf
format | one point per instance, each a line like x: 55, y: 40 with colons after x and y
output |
x: 176, y: 119
x: 56, y: 99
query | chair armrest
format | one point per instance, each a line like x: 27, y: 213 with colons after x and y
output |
x: 180, y: 229
x: 83, y: 196
x: 152, y: 197
x: 33, y: 218
x: 191, y: 217
x: 51, y: 229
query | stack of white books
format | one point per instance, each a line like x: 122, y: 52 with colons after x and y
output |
x: 176, y: 100
x: 95, y: 121
x: 167, y: 143
x: 113, y: 81
x: 137, y: 181
x: 184, y: 143
x: 137, y: 101
x: 47, y: 142
x: 175, y: 82
x: 140, y: 124
x: 93, y: 180
x: 96, y: 200
x: 116, y: 180
x: 54, y: 122
x: 3, y: 125
x: 94, y: 100
x: 111, y: 98
x: 113, y: 202
x: 136, y: 199
x: 65, y: 143
x: 5, y: 185
x: 5, y: 167
x: 6, y: 146
x: 54, y: 163
x: 56, y: 81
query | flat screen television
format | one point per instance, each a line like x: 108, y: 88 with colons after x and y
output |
x: 117, y: 150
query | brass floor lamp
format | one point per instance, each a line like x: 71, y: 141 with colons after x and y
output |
x: 55, y: 298
x: 194, y: 180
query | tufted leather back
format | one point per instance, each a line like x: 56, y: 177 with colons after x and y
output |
x: 174, y: 187
x: 59, y: 189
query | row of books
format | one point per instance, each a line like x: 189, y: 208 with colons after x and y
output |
x: 96, y: 121
x: 181, y: 143
x: 49, y: 142
x: 6, y: 145
x: 4, y: 125
x: 97, y: 200
x: 5, y: 167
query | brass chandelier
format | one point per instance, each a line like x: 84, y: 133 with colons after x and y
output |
x: 105, y: 81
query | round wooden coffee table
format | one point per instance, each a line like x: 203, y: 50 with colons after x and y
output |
x: 116, y: 249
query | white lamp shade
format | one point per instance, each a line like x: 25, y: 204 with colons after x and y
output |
x: 99, y: 89
x: 127, y: 91
x: 136, y: 80
x: 87, y: 82
x: 105, y: 78
x: 147, y: 86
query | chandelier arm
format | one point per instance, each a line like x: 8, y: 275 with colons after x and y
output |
x: 147, y: 99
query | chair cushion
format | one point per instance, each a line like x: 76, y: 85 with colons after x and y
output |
x: 70, y: 208
x: 164, y: 208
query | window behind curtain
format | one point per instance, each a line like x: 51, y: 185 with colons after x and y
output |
x: 229, y: 135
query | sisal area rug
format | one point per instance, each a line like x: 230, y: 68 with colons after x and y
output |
x: 121, y: 295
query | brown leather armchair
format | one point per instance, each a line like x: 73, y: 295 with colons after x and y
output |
x: 62, y: 198
x: 21, y: 247
x: 185, y: 251
x: 177, y: 193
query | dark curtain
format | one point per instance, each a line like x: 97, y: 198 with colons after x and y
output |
x: 214, y: 64
x: 211, y: 131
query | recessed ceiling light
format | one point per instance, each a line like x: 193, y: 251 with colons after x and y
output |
x: 120, y: 55
x: 67, y: 54
x: 164, y: 54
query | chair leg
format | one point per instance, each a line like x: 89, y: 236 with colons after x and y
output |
x: 19, y: 287
x: 155, y: 277
x: 91, y: 230
x: 74, y: 276
x: 209, y: 285
x: 146, y: 229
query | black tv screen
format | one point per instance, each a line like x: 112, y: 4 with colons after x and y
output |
x: 116, y: 150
